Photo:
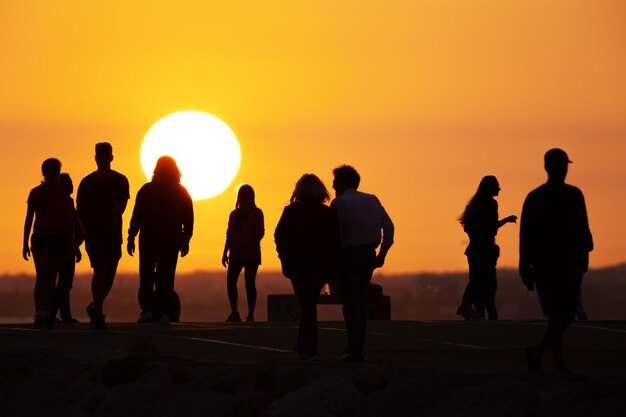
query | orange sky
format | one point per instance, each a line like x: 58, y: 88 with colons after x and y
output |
x: 422, y: 97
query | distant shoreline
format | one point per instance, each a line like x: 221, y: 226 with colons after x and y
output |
x: 420, y: 296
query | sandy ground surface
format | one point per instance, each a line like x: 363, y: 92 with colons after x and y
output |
x: 216, y: 369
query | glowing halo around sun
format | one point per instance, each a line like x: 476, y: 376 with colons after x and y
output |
x: 206, y: 150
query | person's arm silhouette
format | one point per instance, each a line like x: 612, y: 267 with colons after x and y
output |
x: 388, y: 232
x: 225, y: 258
x: 509, y: 219
x: 526, y: 245
x: 130, y: 246
x: 225, y: 255
x: 187, y: 222
x: 28, y: 223
x: 184, y: 250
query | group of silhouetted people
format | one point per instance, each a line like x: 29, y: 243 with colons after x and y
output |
x: 163, y: 215
x: 317, y: 243
x: 59, y: 229
x: 555, y: 242
x: 54, y: 243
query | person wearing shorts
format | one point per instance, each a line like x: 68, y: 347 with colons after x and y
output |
x: 555, y: 242
x: 50, y: 208
x: 100, y: 201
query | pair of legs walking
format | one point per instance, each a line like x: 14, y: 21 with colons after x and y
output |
x: 558, y: 290
x: 481, y: 289
x: 355, y: 274
x: 157, y: 270
x: 63, y: 288
x: 250, y: 267
x: 47, y: 250
x: 552, y: 339
x: 46, y: 267
x: 306, y: 288
x: 104, y: 258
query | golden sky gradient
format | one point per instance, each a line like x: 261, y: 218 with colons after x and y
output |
x: 422, y: 97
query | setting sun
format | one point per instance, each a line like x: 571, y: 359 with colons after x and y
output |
x: 205, y: 148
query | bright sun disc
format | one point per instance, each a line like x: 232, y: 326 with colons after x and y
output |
x: 206, y: 150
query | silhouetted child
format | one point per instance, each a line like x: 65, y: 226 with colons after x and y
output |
x: 480, y: 222
x: 68, y: 261
x: 51, y: 209
x: 242, y: 250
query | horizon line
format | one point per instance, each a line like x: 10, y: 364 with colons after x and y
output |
x: 620, y: 265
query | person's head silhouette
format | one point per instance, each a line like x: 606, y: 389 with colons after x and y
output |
x: 556, y: 164
x: 166, y: 171
x: 310, y: 188
x: 65, y: 182
x: 245, y: 197
x: 345, y: 177
x: 104, y: 155
x: 51, y: 169
x: 488, y: 187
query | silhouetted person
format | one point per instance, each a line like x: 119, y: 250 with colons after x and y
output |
x: 53, y: 231
x: 242, y: 250
x: 68, y: 261
x: 100, y: 201
x: 480, y: 222
x: 307, y: 242
x: 555, y: 242
x: 163, y: 217
x: 361, y: 219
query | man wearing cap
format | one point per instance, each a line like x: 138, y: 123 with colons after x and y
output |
x: 100, y: 201
x: 555, y: 242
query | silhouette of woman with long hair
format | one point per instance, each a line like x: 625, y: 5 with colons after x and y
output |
x: 163, y: 217
x: 52, y: 237
x: 480, y: 222
x: 242, y: 250
x: 68, y: 262
x: 308, y: 241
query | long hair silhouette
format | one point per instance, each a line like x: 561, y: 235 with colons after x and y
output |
x: 486, y: 189
x: 245, y: 204
x: 166, y: 171
x: 245, y: 197
x: 310, y: 187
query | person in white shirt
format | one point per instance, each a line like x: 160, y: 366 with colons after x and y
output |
x: 361, y: 220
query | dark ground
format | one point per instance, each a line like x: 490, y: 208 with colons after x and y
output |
x: 439, y: 368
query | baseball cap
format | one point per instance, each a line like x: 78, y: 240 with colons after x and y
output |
x: 556, y: 156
